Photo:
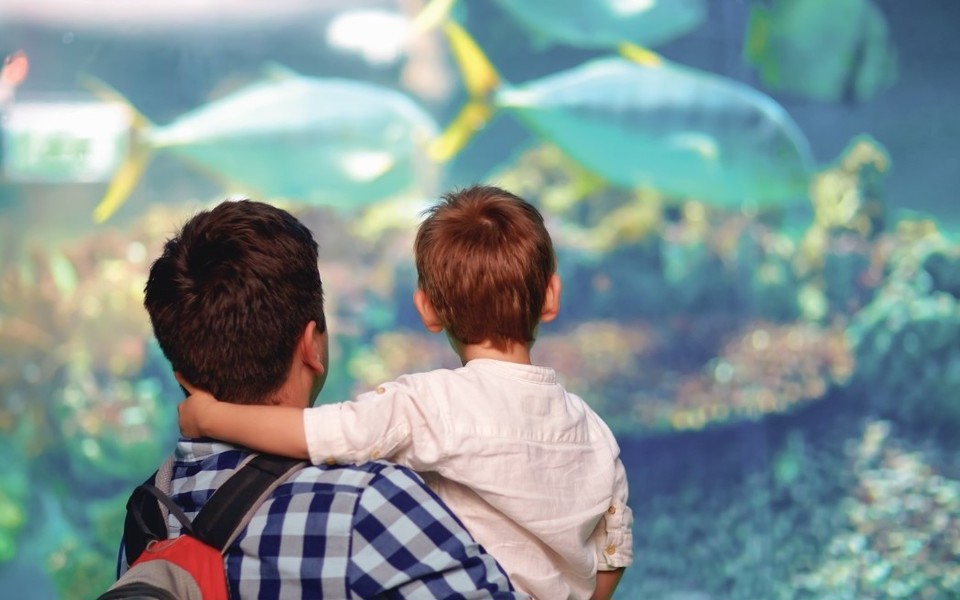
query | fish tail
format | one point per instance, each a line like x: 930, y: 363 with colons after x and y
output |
x: 472, y: 117
x: 432, y: 15
x: 480, y: 79
x: 129, y: 173
x: 479, y: 76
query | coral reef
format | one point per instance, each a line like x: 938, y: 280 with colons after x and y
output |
x: 903, y: 535
x: 906, y: 340
x: 732, y: 355
x: 691, y: 372
x: 733, y: 513
x: 82, y: 397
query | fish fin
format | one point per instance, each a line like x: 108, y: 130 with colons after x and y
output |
x: 122, y: 183
x: 758, y: 34
x: 639, y: 54
x: 108, y: 94
x: 472, y: 117
x: 480, y: 79
x: 479, y: 76
x: 432, y: 15
x: 278, y: 72
x: 133, y: 167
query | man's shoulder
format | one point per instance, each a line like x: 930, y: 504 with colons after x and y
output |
x: 352, y: 478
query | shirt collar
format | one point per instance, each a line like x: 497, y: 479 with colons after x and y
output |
x: 199, y: 449
x: 527, y: 373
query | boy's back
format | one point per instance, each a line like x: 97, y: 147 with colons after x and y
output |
x: 529, y: 468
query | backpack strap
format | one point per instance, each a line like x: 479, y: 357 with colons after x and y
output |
x: 231, y: 507
x: 146, y: 519
x: 249, y: 486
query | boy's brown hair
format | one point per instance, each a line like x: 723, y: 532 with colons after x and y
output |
x: 230, y: 296
x: 484, y: 260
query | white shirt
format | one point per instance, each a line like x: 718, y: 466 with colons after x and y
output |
x: 529, y: 468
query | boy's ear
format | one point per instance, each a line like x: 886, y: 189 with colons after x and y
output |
x: 427, y: 313
x: 551, y: 301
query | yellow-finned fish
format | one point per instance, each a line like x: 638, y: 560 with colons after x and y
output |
x: 646, y: 122
x: 825, y: 50
x: 594, y: 24
x: 334, y: 142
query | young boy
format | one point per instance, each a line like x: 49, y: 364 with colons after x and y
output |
x: 529, y: 468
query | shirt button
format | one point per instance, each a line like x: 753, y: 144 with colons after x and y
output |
x: 331, y: 461
x: 612, y: 510
x: 375, y: 455
x: 381, y: 389
x: 611, y: 550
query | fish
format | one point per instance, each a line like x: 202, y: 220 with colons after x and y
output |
x: 645, y: 122
x: 595, y: 24
x: 822, y: 50
x: 319, y: 141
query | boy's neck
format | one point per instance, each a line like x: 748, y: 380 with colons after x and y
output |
x: 514, y: 352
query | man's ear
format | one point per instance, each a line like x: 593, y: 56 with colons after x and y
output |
x: 186, y: 385
x: 312, y: 348
x: 427, y: 313
x: 551, y: 300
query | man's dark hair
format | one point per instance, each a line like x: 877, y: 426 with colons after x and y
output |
x: 231, y: 295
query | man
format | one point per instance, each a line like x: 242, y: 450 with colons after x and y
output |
x: 236, y: 304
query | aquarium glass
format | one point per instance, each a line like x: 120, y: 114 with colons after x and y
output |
x: 753, y: 204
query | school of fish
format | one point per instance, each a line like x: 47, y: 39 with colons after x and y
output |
x: 630, y: 117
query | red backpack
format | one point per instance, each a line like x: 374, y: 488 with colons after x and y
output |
x: 190, y: 567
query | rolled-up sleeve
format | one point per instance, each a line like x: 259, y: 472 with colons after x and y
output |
x: 390, y: 422
x: 615, y: 540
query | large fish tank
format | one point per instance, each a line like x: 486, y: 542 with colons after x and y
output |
x: 761, y: 277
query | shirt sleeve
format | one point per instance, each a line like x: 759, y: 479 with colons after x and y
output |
x: 407, y: 544
x: 614, y: 538
x: 390, y: 422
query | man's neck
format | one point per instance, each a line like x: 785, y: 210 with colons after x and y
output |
x: 295, y: 392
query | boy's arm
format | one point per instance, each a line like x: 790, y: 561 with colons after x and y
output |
x: 614, y: 537
x: 396, y: 421
x: 388, y: 423
x: 271, y: 429
x: 606, y: 583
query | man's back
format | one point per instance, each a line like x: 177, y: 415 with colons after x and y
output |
x: 339, y: 532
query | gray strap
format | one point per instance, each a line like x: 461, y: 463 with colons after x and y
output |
x: 163, y: 483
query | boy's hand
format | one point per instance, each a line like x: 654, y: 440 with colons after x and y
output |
x: 194, y: 410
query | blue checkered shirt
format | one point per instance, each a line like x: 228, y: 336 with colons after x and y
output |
x: 367, y: 531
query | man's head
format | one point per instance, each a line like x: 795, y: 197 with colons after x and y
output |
x: 486, y: 268
x: 236, y: 303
